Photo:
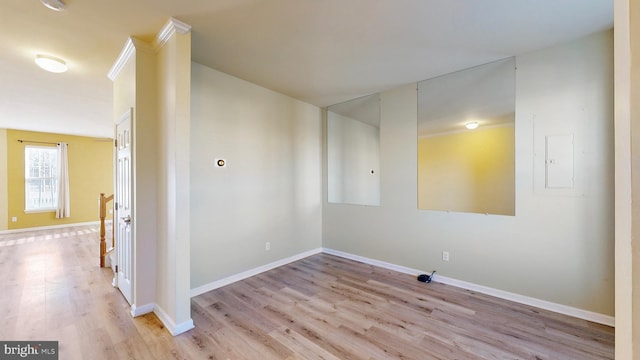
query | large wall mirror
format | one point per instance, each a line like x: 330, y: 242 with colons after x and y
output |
x: 466, y: 140
x: 353, y: 151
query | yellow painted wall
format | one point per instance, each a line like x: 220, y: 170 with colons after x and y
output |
x: 90, y: 173
x: 4, y: 205
x: 470, y: 171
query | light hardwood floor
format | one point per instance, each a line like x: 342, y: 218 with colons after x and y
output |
x: 322, y: 307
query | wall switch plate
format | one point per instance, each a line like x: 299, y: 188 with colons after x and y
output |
x: 445, y: 256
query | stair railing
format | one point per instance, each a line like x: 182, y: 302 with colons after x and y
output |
x: 103, y: 214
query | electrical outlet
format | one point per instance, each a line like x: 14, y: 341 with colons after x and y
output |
x: 267, y: 246
x: 14, y: 219
x: 445, y: 256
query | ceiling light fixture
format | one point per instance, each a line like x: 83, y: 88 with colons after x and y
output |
x: 471, y: 125
x: 55, y: 5
x: 51, y: 63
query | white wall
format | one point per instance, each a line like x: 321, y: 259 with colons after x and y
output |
x: 153, y: 79
x: 270, y: 190
x: 145, y: 174
x: 353, y: 150
x: 559, y: 246
x: 134, y: 87
x: 173, y: 298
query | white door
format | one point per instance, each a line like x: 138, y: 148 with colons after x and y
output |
x: 123, y: 233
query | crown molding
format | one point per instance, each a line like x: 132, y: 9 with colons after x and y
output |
x: 122, y: 59
x: 132, y: 44
x: 171, y: 27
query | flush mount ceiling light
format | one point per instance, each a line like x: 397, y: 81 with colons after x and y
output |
x: 55, y: 5
x: 51, y: 63
x: 471, y: 125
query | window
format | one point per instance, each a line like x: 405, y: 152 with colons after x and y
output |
x: 41, y: 182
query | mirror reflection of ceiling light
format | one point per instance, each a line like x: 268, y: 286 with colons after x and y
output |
x: 55, y: 5
x: 51, y: 63
x: 471, y: 125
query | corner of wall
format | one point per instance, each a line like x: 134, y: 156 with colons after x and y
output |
x: 173, y: 328
x: 173, y: 85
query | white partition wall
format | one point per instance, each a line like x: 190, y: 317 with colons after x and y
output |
x: 264, y: 204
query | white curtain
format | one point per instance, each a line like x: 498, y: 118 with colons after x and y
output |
x: 63, y: 209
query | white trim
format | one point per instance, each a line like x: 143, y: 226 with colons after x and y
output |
x: 130, y: 46
x: 163, y: 317
x: 181, y: 27
x: 126, y: 53
x: 182, y: 327
x: 526, y: 300
x: 522, y: 299
x: 374, y: 262
x: 42, y: 210
x: 2, y: 232
x: 170, y: 325
x: 171, y: 27
x: 141, y: 310
x: 252, y: 272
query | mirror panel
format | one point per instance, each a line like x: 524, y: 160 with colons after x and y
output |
x: 465, y: 170
x: 353, y: 151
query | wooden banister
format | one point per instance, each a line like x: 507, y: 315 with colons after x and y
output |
x: 103, y: 214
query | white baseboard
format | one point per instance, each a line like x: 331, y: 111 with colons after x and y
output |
x: 48, y: 227
x: 541, y: 304
x: 141, y: 310
x: 252, y: 272
x: 166, y: 320
x: 170, y: 325
x: 526, y: 300
x: 182, y: 327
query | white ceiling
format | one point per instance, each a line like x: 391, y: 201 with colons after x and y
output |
x: 321, y: 52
